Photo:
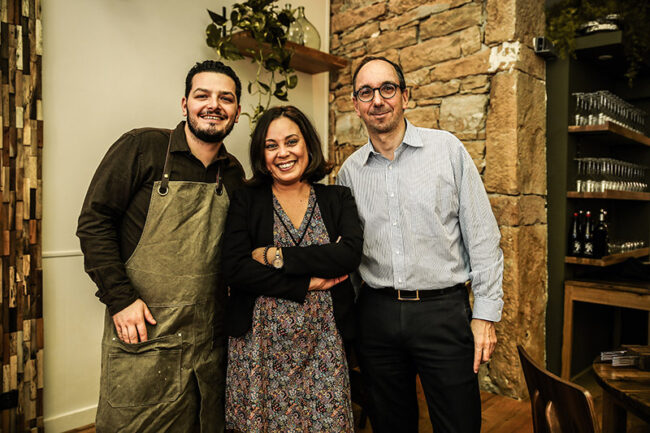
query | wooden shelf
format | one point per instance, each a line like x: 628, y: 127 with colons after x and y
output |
x: 612, y: 259
x: 599, y: 41
x: 304, y: 59
x: 641, y: 287
x: 613, y: 133
x: 611, y: 195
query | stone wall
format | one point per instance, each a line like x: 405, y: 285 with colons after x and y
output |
x: 471, y: 70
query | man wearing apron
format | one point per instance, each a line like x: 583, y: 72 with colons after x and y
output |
x: 150, y: 231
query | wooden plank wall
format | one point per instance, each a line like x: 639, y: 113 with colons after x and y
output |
x: 21, y: 145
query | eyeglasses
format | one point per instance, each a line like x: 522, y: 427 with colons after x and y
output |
x: 366, y: 93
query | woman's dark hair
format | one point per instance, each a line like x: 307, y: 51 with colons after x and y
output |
x: 317, y: 168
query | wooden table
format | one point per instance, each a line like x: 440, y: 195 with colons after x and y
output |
x: 616, y: 294
x: 624, y: 389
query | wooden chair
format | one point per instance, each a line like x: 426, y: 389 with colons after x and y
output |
x: 558, y: 406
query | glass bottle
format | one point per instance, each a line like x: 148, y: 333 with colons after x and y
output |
x: 588, y: 238
x: 601, y: 237
x: 295, y: 30
x: 575, y: 242
x: 310, y: 36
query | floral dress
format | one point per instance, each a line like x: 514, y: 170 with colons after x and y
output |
x: 288, y: 373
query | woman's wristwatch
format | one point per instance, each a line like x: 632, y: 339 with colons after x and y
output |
x: 277, y: 261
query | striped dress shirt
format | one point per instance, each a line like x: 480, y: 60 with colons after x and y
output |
x: 427, y: 219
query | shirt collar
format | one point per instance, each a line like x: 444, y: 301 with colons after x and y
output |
x: 411, y: 138
x: 179, y: 143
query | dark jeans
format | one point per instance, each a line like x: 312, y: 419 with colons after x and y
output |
x: 431, y: 338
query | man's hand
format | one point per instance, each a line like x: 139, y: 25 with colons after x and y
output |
x: 129, y: 323
x: 316, y: 283
x: 485, y: 340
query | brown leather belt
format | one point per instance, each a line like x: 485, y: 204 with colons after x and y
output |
x: 415, y: 295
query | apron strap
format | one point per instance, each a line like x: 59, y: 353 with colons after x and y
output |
x: 163, y: 189
x: 219, y: 186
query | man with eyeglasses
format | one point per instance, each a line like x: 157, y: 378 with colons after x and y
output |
x: 429, y: 232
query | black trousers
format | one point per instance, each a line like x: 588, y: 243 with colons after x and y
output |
x: 431, y: 338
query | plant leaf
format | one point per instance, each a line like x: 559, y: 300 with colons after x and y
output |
x: 264, y: 86
x: 286, y: 60
x: 271, y: 64
x: 292, y: 81
x: 230, y: 51
x: 234, y: 18
x: 286, y: 18
x: 281, y: 94
x: 213, y: 37
x: 217, y: 19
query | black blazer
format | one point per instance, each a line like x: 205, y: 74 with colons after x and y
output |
x: 250, y: 225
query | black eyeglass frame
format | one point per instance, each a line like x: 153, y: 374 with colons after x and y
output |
x: 397, y: 86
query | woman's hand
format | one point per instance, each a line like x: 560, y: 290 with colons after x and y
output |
x: 316, y: 283
x: 258, y: 255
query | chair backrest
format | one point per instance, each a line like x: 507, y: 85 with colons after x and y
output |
x: 558, y: 406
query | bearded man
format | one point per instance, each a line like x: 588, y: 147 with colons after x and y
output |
x: 150, y: 231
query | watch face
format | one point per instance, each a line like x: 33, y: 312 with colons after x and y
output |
x: 278, y: 262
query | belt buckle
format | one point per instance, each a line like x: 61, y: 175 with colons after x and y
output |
x: 400, y: 298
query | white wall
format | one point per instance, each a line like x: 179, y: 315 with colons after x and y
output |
x: 110, y: 66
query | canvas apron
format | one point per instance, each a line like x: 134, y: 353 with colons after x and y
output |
x: 175, y: 381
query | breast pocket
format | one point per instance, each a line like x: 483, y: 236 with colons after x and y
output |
x: 144, y: 374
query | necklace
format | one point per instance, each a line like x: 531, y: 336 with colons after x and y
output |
x: 302, y: 236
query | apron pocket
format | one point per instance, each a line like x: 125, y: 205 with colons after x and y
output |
x: 144, y: 374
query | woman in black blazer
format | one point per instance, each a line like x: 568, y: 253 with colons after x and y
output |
x: 288, y: 246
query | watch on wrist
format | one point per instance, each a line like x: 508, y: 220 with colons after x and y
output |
x: 277, y: 261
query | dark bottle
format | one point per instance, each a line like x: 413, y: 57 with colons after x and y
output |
x: 581, y: 225
x: 601, y: 237
x: 588, y: 238
x: 575, y: 240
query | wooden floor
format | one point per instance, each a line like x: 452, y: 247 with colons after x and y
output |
x: 500, y: 415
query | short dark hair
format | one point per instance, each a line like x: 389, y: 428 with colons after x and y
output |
x: 317, y: 168
x: 212, y: 66
x: 368, y: 59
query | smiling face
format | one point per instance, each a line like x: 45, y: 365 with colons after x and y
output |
x: 380, y: 115
x: 211, y: 108
x: 285, y: 151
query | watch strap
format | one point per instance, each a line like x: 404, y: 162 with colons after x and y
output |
x: 278, y: 260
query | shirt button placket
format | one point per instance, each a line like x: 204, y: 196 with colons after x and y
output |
x: 397, y: 255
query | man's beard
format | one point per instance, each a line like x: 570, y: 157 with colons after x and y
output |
x: 209, y: 136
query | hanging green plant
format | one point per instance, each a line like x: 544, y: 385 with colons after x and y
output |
x: 565, y: 18
x: 268, y: 26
